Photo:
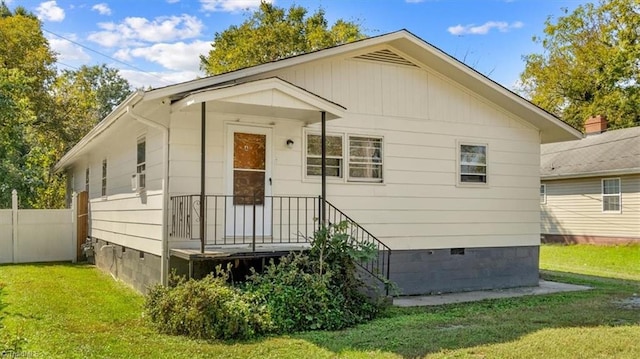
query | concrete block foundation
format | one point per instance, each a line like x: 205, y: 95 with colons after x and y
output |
x: 137, y: 269
x: 431, y: 271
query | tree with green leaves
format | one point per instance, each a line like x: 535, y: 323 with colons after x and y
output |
x: 272, y: 33
x: 27, y: 148
x: 43, y: 114
x: 590, y: 64
x: 84, y: 97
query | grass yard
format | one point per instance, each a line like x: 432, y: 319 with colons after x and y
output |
x: 75, y: 311
x: 621, y: 262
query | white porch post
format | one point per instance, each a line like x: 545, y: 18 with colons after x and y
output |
x: 323, y: 151
x: 14, y: 216
x: 203, y: 149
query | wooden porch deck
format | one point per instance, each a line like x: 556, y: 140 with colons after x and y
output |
x: 239, y: 251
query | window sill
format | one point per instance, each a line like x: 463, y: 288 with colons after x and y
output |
x: 333, y: 180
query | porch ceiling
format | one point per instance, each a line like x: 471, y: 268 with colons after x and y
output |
x: 272, y: 97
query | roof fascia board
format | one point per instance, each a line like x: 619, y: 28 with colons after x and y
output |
x: 258, y: 86
x: 619, y: 172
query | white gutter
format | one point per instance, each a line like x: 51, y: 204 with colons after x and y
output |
x: 164, y: 260
x: 617, y: 172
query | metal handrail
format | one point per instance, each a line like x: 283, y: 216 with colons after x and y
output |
x: 379, y: 267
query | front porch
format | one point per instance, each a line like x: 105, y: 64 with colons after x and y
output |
x: 266, y: 210
x: 255, y: 232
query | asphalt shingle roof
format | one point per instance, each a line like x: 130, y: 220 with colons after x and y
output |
x: 616, y: 151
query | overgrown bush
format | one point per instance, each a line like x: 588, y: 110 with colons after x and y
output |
x: 317, y: 289
x: 207, y: 308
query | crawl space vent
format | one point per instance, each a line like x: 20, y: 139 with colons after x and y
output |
x: 386, y: 56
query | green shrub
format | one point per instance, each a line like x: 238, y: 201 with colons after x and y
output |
x: 208, y: 308
x: 318, y: 290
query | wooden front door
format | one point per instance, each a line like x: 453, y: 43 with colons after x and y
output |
x: 249, y: 180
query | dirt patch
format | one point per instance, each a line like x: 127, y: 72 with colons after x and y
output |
x: 630, y: 303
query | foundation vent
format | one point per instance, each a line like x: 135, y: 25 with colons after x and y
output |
x: 386, y: 56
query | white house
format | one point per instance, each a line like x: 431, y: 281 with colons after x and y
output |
x: 434, y: 163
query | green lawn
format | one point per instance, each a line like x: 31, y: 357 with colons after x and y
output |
x: 622, y: 262
x: 75, y: 311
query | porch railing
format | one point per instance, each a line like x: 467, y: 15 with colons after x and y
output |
x: 250, y: 220
x: 379, y: 266
x: 255, y: 221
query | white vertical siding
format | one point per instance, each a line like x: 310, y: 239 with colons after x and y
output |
x: 574, y: 207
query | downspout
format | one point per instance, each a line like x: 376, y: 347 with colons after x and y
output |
x: 164, y: 260
x: 323, y: 163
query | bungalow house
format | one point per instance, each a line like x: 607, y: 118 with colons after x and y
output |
x: 430, y: 161
x: 590, y: 188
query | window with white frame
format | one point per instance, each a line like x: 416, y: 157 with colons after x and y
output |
x: 141, y: 162
x: 334, y: 155
x: 611, y: 195
x: 473, y: 163
x: 543, y: 193
x: 365, y: 159
x: 104, y: 177
x: 362, y: 163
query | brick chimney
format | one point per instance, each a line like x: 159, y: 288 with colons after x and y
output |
x: 595, y: 124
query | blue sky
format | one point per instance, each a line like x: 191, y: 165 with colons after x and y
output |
x: 161, y: 39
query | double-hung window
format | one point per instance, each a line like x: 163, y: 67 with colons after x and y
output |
x: 611, y: 195
x: 141, y: 162
x: 362, y: 163
x: 365, y: 159
x: 473, y: 164
x: 334, y: 155
x: 543, y: 193
x: 104, y: 178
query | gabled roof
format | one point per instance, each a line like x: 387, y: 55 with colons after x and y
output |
x: 551, y: 128
x: 414, y: 50
x: 614, y: 152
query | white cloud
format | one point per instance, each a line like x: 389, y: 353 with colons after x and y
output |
x: 134, y: 30
x: 68, y: 51
x: 178, y: 56
x: 230, y: 5
x: 484, y: 29
x: 123, y: 55
x: 50, y: 11
x: 139, y: 79
x: 102, y: 9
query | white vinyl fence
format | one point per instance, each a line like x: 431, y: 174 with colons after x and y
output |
x: 37, y: 235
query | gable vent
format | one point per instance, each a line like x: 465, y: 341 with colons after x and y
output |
x: 387, y: 56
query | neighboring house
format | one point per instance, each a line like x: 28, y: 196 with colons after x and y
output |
x: 434, y: 163
x: 590, y: 189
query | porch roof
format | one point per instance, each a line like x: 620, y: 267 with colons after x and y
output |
x: 271, y: 97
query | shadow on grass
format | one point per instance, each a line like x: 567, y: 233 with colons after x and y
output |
x: 412, y: 332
